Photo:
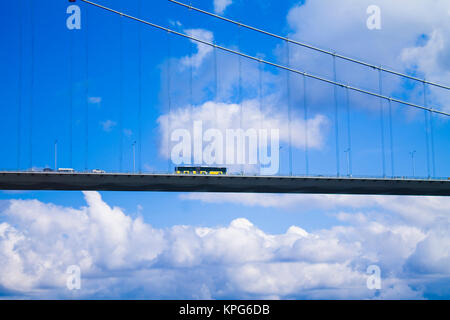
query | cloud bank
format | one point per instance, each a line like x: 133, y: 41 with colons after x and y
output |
x: 122, y: 256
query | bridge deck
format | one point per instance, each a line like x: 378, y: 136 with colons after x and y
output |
x: 229, y: 183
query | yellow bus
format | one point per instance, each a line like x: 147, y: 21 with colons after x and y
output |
x: 201, y: 170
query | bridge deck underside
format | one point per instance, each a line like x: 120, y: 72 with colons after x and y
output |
x: 203, y: 183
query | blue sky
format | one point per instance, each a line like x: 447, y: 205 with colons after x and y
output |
x: 334, y: 238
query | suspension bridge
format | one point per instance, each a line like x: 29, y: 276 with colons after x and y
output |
x: 400, y: 142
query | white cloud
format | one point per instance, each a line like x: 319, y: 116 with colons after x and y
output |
x: 432, y: 255
x: 203, y: 50
x: 224, y: 116
x: 418, y: 210
x: 120, y: 255
x: 432, y: 60
x: 108, y: 125
x: 221, y: 5
x: 95, y: 100
x: 398, y: 45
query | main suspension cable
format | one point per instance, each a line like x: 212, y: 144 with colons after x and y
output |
x: 310, y: 46
x: 268, y: 62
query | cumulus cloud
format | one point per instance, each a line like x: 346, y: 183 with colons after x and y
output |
x: 412, y: 39
x: 432, y: 255
x: 121, y: 256
x: 422, y: 211
x: 227, y: 116
x: 203, y: 50
x: 221, y: 5
x: 433, y: 60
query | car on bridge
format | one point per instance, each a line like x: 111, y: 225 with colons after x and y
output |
x: 66, y: 170
x: 201, y: 170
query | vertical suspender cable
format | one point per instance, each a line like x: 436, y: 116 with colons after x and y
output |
x: 336, y: 118
x: 140, y: 91
x: 383, y: 151
x: 288, y: 90
x: 191, y: 81
x: 260, y: 94
x: 266, y: 62
x: 191, y: 73
x: 391, y: 135
x: 427, y: 130
x: 305, y: 106
x: 19, y: 91
x: 240, y: 74
x: 306, y: 45
x: 216, y: 76
x: 121, y: 75
x: 216, y: 87
x: 349, y: 135
x: 216, y: 95
x: 241, y: 121
x: 427, y: 137
x: 32, y: 84
x: 71, y: 99
x: 433, y: 159
x: 86, y: 151
x: 169, y: 101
